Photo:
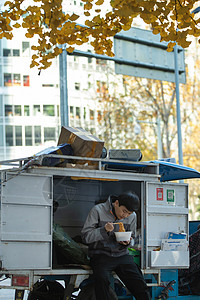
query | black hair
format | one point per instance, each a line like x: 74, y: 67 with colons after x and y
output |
x: 128, y: 199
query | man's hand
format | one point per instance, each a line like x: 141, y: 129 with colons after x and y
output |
x: 109, y: 227
x: 125, y: 243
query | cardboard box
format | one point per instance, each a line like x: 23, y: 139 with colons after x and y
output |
x: 174, y: 235
x: 174, y: 245
x: 83, y: 142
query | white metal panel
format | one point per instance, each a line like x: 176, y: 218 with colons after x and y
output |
x: 169, y: 259
x: 143, y: 47
x: 26, y: 221
x: 26, y: 255
x: 166, y: 211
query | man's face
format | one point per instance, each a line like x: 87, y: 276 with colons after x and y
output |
x: 121, y: 211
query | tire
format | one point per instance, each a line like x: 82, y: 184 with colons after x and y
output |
x: 46, y: 290
x: 88, y: 293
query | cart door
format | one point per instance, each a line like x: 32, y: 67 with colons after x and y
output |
x: 166, y: 211
x: 26, y: 221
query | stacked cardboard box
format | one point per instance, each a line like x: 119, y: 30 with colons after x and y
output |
x: 83, y: 143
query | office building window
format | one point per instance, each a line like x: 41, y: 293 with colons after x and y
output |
x: 91, y: 114
x: 48, y: 85
x: 78, y: 114
x: 16, y: 79
x: 6, y: 52
x: 37, y: 135
x: 8, y: 110
x: 84, y: 113
x: 16, y: 52
x: 89, y: 58
x: 18, y: 135
x: 9, y: 135
x: 1, y: 106
x: 25, y: 48
x: 58, y: 110
x: 7, y: 79
x: 1, y: 136
x: 49, y: 134
x: 11, y: 52
x: 49, y: 110
x: 71, y: 112
x: 17, y: 110
x: 26, y: 80
x: 77, y: 86
x: 28, y: 136
x: 26, y: 110
x: 36, y: 110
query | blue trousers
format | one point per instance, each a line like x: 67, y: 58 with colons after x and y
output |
x: 126, y: 269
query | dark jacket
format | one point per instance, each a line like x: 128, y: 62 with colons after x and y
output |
x: 95, y: 235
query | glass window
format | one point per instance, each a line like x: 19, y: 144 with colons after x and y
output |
x: 7, y: 79
x: 89, y: 58
x: 58, y: 110
x: 77, y: 86
x: 49, y: 134
x: 16, y: 52
x: 9, y: 135
x: 71, y: 112
x: 6, y: 52
x: 28, y: 135
x: 18, y: 135
x: 84, y: 113
x: 1, y: 106
x: 48, y: 85
x: 17, y: 110
x: 1, y: 135
x: 25, y: 48
x: 91, y: 114
x: 8, y: 110
x: 16, y: 79
x: 37, y: 135
x: 26, y: 80
x: 36, y: 110
x: 26, y: 110
x: 78, y: 115
x: 49, y: 110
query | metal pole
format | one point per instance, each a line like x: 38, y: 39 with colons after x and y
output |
x: 63, y: 88
x: 159, y: 142
x: 178, y: 113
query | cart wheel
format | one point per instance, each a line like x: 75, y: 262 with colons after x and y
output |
x: 47, y: 290
x: 88, y: 293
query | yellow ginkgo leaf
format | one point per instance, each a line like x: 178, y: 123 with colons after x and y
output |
x: 16, y: 25
x: 99, y: 2
x: 70, y: 49
x: 73, y: 17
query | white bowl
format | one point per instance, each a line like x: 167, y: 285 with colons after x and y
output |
x: 123, y: 236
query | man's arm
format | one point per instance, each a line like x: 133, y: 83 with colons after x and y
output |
x: 133, y: 228
x: 91, y: 232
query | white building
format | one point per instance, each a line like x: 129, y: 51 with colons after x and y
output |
x: 30, y: 103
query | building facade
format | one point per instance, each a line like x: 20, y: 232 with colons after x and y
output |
x: 30, y: 103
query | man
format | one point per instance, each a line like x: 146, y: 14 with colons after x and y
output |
x: 106, y: 253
